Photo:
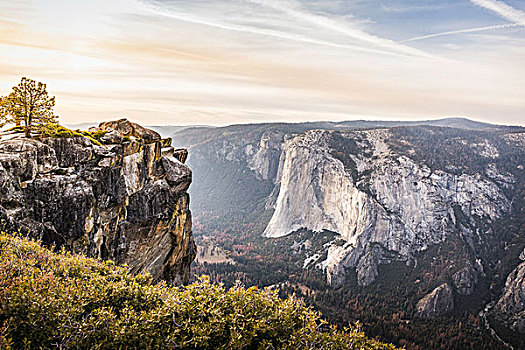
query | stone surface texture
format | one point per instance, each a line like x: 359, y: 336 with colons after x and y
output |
x: 510, y: 308
x: 385, y: 206
x: 122, y: 201
x: 436, y: 303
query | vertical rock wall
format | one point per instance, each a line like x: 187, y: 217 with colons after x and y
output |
x: 385, y: 206
x: 125, y: 200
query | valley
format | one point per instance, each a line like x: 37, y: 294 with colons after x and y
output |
x: 369, y: 222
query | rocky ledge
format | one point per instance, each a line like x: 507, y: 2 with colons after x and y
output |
x: 123, y: 198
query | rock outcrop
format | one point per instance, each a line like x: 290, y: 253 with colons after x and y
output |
x: 510, y: 308
x: 436, y: 303
x: 386, y: 206
x: 124, y: 200
x: 124, y: 127
x: 466, y: 278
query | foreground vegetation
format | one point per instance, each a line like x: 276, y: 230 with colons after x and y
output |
x: 50, y: 300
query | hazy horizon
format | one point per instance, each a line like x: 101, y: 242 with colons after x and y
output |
x: 223, y: 62
x: 294, y: 122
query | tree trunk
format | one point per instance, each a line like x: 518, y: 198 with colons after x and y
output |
x: 28, y: 129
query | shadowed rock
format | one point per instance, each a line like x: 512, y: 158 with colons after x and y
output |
x: 120, y: 201
x: 510, y: 308
x: 466, y: 279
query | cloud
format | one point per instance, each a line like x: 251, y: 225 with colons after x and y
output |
x: 293, y: 11
x: 464, y: 31
x: 186, y: 17
x: 517, y: 17
x: 503, y: 10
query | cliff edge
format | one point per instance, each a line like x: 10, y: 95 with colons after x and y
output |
x: 121, y: 197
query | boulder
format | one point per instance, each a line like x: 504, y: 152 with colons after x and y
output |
x: 178, y: 175
x: 126, y: 128
x: 111, y: 137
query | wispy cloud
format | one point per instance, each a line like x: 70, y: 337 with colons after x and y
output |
x: 511, y: 14
x: 393, y: 48
x: 294, y: 11
x: 464, y: 31
x: 502, y: 9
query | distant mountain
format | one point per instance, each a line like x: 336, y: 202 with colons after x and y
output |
x: 169, y: 130
x: 81, y: 126
x: 462, y: 123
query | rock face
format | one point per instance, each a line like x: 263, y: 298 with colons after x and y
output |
x: 466, y: 279
x: 122, y: 201
x: 436, y: 303
x: 510, y: 308
x: 126, y: 128
x: 264, y: 159
x: 386, y: 206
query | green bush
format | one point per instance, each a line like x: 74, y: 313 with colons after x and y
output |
x: 94, y: 134
x: 61, y: 300
x: 56, y: 130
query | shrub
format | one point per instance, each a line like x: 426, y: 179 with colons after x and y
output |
x: 50, y: 300
x: 56, y: 130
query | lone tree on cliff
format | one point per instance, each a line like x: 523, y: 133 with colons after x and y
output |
x: 28, y: 103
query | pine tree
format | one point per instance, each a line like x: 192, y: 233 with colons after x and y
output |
x: 28, y: 103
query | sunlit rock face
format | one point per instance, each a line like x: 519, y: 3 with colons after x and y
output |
x: 385, y: 205
x: 510, y: 308
x: 122, y: 200
x: 436, y: 303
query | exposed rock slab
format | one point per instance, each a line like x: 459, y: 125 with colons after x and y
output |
x: 386, y: 206
x: 436, y: 303
x: 466, y: 278
x: 126, y: 128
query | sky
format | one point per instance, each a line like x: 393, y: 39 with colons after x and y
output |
x: 219, y: 62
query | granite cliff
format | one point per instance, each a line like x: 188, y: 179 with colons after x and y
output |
x: 384, y: 205
x: 123, y: 197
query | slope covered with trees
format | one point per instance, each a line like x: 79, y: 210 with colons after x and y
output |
x: 50, y: 300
